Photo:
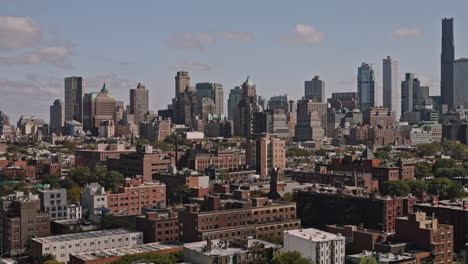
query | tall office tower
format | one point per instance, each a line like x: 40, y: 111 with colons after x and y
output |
x: 74, y: 92
x: 292, y: 107
x: 391, y: 91
x: 139, y: 102
x: 97, y: 107
x: 57, y: 116
x: 279, y: 102
x: 447, y: 58
x: 182, y: 82
x: 315, y: 90
x: 262, y: 102
x: 421, y: 94
x: 243, y: 121
x: 271, y: 122
x: 4, y: 119
x: 409, y: 88
x: 213, y: 91
x: 233, y: 101
x: 460, y: 83
x: 366, y: 87
x: 311, y: 120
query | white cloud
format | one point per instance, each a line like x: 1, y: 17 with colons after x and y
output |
x: 112, y: 80
x: 244, y: 36
x: 55, y: 55
x: 18, y: 32
x: 191, y: 41
x: 190, y: 65
x: 404, y: 32
x: 30, y: 88
x: 305, y: 34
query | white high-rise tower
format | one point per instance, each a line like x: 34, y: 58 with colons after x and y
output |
x: 391, y: 89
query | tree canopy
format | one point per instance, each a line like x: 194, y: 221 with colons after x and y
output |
x: 290, y: 257
x: 395, y: 188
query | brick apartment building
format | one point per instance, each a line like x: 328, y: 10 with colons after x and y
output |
x: 428, y: 235
x: 98, y: 157
x: 454, y: 213
x: 143, y: 162
x: 21, y: 220
x: 136, y: 194
x: 362, y: 238
x: 266, y: 153
x: 322, y: 175
x: 223, y: 160
x: 18, y: 173
x: 378, y: 116
x: 159, y: 226
x: 353, y: 208
x: 231, y: 218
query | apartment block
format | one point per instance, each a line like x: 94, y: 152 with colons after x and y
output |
x: 63, y: 245
x: 161, y: 225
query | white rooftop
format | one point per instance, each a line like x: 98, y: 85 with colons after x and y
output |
x: 122, y: 251
x: 219, y: 247
x: 313, y: 234
x: 85, y: 235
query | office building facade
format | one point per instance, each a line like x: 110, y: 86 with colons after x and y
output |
x: 315, y: 90
x: 447, y: 57
x: 366, y: 87
x: 139, y: 102
x: 391, y: 92
x: 74, y: 92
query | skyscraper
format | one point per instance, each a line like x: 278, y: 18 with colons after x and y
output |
x: 213, y: 91
x: 447, y: 58
x: 315, y: 90
x: 57, y: 116
x: 366, y: 87
x: 243, y: 121
x: 311, y: 120
x: 409, y: 89
x: 233, y: 101
x: 139, y: 102
x: 182, y: 82
x: 421, y: 94
x: 74, y: 92
x: 391, y: 91
x: 460, y: 83
x: 97, y: 107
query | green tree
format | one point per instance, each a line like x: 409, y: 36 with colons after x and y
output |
x: 367, y: 260
x: 445, y: 188
x: 444, y: 163
x: 290, y: 257
x: 451, y: 173
x: 417, y: 186
x: 45, y: 257
x: 52, y: 180
x: 395, y: 188
x: 223, y: 175
x: 321, y: 152
x: 287, y: 196
x: 422, y: 170
x: 74, y: 194
x: 53, y: 262
x: 81, y: 176
x: 455, y: 149
x: 111, y: 179
x: 431, y: 149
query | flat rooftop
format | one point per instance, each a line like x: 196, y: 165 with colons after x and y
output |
x: 314, y: 235
x: 218, y: 249
x: 122, y: 251
x: 85, y: 235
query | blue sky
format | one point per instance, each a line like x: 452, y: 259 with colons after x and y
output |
x: 280, y: 44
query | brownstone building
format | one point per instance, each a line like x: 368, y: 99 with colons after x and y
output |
x: 143, y: 162
x: 21, y: 220
x: 136, y: 194
x: 223, y: 160
x: 362, y: 239
x: 454, y: 213
x: 259, y: 217
x: 98, y: 157
x: 159, y: 226
x: 428, y: 235
x: 378, y: 116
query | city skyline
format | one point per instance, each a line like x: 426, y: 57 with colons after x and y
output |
x: 35, y: 62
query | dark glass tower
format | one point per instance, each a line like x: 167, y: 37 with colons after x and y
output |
x: 447, y: 58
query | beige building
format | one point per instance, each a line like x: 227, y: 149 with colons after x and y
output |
x: 266, y: 153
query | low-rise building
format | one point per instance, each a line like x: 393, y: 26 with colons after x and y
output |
x: 428, y: 235
x: 114, y: 254
x: 383, y: 258
x: 54, y: 202
x: 159, y: 226
x: 93, y: 201
x: 317, y: 245
x: 221, y: 251
x: 63, y: 245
